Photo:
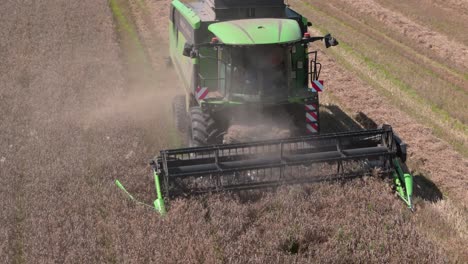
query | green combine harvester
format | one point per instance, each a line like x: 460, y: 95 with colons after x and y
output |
x: 248, y: 62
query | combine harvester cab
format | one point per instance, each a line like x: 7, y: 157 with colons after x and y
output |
x: 240, y: 62
x: 239, y: 58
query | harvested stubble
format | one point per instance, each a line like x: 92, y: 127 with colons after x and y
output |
x: 333, y: 223
x: 62, y: 147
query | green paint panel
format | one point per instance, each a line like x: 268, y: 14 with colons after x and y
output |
x: 183, y: 65
x: 299, y: 55
x: 159, y: 202
x: 403, y: 183
x: 188, y: 13
x: 257, y: 31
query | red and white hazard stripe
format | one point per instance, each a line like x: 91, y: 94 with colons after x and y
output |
x: 311, y: 117
x: 312, y: 128
x: 310, y: 107
x: 311, y: 114
x: 201, y: 92
x: 317, y: 86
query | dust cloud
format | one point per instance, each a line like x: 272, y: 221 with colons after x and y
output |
x: 253, y: 125
x: 74, y: 116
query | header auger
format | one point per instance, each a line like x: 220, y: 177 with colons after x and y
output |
x: 244, y: 63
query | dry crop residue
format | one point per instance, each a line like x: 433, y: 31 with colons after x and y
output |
x: 72, y: 120
x: 429, y: 156
x: 439, y: 43
x: 76, y: 114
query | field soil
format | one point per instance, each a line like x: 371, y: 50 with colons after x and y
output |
x: 436, y: 42
x: 77, y: 111
x: 441, y: 171
x: 432, y: 155
x: 85, y: 99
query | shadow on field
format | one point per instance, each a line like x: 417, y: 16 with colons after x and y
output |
x: 426, y: 189
x: 366, y: 121
x: 333, y: 119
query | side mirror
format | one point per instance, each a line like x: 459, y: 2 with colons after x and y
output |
x: 187, y: 50
x: 330, y: 41
x: 309, y: 24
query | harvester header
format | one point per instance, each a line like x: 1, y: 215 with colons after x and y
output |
x: 272, y: 163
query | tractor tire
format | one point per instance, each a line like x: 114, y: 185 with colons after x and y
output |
x: 179, y: 114
x: 203, y: 128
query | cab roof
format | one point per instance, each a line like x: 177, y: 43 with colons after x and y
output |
x: 257, y: 31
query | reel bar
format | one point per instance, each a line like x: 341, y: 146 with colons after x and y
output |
x: 270, y: 163
x: 252, y: 163
x: 266, y: 184
x: 311, y: 138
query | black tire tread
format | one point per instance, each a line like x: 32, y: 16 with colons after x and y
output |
x: 180, y: 114
x: 203, y: 128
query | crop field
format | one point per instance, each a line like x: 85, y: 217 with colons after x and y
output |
x: 85, y: 98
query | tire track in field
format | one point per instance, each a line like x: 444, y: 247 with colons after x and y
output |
x: 425, y: 110
x: 445, y: 48
x: 429, y: 156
